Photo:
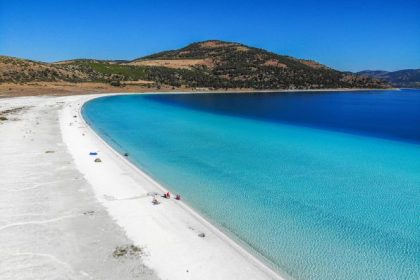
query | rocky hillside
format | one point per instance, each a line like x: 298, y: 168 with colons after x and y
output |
x: 401, y: 78
x: 209, y: 64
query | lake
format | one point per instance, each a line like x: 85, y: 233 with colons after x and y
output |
x: 322, y: 185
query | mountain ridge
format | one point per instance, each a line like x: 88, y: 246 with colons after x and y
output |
x: 400, y: 78
x: 212, y: 64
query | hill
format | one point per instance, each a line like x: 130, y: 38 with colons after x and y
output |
x: 18, y: 70
x: 210, y: 64
x: 401, y: 78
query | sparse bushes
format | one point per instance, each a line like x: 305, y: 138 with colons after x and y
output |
x: 115, y: 83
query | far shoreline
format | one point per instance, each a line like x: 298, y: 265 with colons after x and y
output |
x: 70, y: 89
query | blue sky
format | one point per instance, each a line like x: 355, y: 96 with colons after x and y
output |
x: 346, y: 35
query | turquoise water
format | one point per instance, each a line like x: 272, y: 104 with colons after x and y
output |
x: 316, y: 203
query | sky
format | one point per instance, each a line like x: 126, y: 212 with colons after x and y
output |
x: 346, y: 35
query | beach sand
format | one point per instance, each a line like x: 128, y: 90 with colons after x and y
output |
x: 65, y: 216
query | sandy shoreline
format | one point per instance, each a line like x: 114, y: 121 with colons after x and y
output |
x: 168, y: 234
x: 214, y: 257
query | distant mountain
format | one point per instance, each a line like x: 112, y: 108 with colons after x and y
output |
x: 209, y: 64
x: 401, y: 78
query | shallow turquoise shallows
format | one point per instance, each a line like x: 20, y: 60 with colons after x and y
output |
x: 316, y: 203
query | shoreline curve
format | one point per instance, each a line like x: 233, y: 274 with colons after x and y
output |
x: 237, y: 262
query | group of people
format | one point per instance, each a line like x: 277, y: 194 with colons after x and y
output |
x: 167, y: 196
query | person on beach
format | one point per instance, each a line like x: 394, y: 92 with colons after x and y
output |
x: 155, y: 201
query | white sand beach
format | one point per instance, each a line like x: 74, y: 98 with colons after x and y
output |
x: 65, y: 216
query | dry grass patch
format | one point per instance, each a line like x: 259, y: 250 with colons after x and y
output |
x: 275, y: 63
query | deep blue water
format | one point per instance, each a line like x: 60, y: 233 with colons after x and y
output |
x: 388, y: 114
x: 323, y: 185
